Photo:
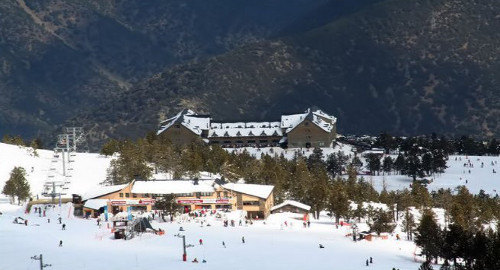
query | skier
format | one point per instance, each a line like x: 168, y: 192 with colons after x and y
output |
x: 321, y: 246
x: 371, y: 260
x: 60, y: 243
x: 243, y: 239
x: 60, y: 219
x: 64, y: 227
x: 201, y: 241
x: 98, y: 221
x: 223, y: 244
x: 367, y: 263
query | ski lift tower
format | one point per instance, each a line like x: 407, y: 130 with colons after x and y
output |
x: 67, y: 144
x: 77, y: 139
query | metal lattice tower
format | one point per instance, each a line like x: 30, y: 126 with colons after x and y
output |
x: 74, y: 140
x: 59, y: 177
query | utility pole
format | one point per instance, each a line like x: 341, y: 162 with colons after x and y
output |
x: 184, y: 246
x: 40, y: 258
x: 184, y: 255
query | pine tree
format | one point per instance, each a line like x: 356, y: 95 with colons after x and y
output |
x: 387, y: 165
x: 338, y: 201
x: 408, y: 224
x: 300, y: 176
x: 130, y: 164
x: 315, y: 160
x: 317, y: 189
x: 420, y: 195
x: 453, y: 243
x: 382, y: 222
x: 373, y: 163
x: 110, y: 147
x: 413, y: 166
x: 399, y: 164
x: 427, y: 163
x: 352, y: 185
x: 464, y: 210
x: 17, y: 185
x: 167, y: 204
x: 10, y: 189
x: 333, y: 165
x: 359, y: 212
x: 428, y: 236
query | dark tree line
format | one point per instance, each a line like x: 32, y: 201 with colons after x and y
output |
x: 465, y: 145
x: 460, y: 248
x: 332, y: 183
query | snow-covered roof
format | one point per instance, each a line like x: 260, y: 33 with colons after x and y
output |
x: 172, y: 186
x: 293, y: 203
x: 261, y: 191
x: 189, y: 119
x: 95, y: 203
x: 321, y: 113
x: 289, y: 122
x: 245, y: 129
x: 101, y: 190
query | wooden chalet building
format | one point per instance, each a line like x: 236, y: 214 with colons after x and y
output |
x: 313, y: 128
x: 291, y: 206
x: 256, y: 200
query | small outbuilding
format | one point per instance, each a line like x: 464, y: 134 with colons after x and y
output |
x: 292, y: 207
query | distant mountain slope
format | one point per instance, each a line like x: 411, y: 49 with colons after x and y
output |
x: 60, y: 56
x: 407, y: 67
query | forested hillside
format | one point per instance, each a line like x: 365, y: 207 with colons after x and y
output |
x: 59, y: 57
x: 407, y: 67
x: 119, y: 67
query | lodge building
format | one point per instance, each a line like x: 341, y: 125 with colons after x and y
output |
x: 256, y: 200
x: 313, y: 128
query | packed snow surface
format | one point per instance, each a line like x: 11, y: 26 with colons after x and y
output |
x: 268, y: 245
x: 271, y: 244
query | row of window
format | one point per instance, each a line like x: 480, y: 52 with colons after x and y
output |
x: 256, y: 203
x: 242, y: 142
x: 147, y: 195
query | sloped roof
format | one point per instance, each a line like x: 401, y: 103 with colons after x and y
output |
x: 289, y: 122
x: 189, y: 119
x: 172, y: 186
x: 99, y: 191
x: 95, y: 203
x: 261, y: 191
x: 293, y: 203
